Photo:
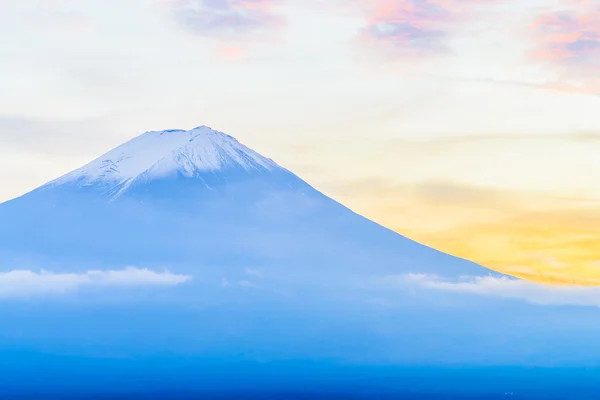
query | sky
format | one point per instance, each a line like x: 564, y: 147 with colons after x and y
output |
x: 468, y: 125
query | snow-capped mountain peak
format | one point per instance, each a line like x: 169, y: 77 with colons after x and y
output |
x: 157, y: 154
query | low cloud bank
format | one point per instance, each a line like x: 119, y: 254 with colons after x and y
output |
x: 509, y: 288
x: 26, y: 283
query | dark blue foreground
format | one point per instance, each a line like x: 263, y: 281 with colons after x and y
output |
x: 27, y: 375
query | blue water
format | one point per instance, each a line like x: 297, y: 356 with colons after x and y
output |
x: 28, y: 375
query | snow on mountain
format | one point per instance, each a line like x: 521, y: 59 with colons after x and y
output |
x: 166, y: 153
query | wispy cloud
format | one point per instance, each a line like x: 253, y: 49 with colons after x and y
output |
x: 253, y: 272
x: 27, y: 283
x: 408, y: 27
x: 51, y: 15
x: 572, y: 36
x: 413, y: 27
x: 243, y: 283
x: 568, y: 40
x: 234, y: 20
x: 509, y: 288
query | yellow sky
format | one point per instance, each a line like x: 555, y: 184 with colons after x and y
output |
x: 559, y: 245
x: 524, y: 205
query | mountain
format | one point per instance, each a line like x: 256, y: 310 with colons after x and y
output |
x: 183, y: 262
x: 196, y: 198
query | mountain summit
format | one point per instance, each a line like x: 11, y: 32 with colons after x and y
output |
x: 170, y: 153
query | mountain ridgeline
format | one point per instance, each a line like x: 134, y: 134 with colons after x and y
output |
x: 195, y: 198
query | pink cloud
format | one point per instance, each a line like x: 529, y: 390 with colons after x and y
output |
x: 568, y: 35
x: 568, y: 43
x: 414, y: 27
x: 408, y: 26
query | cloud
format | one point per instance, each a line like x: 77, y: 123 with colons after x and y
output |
x: 509, y: 288
x: 236, y: 20
x: 408, y: 27
x: 413, y: 27
x: 51, y: 15
x: 137, y: 277
x: 243, y: 283
x: 36, y: 150
x: 253, y: 272
x: 572, y: 137
x: 568, y: 42
x: 442, y: 193
x: 61, y: 137
x: 571, y: 36
x: 449, y: 193
x: 27, y: 283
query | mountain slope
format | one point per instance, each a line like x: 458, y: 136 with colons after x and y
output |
x: 197, y: 198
